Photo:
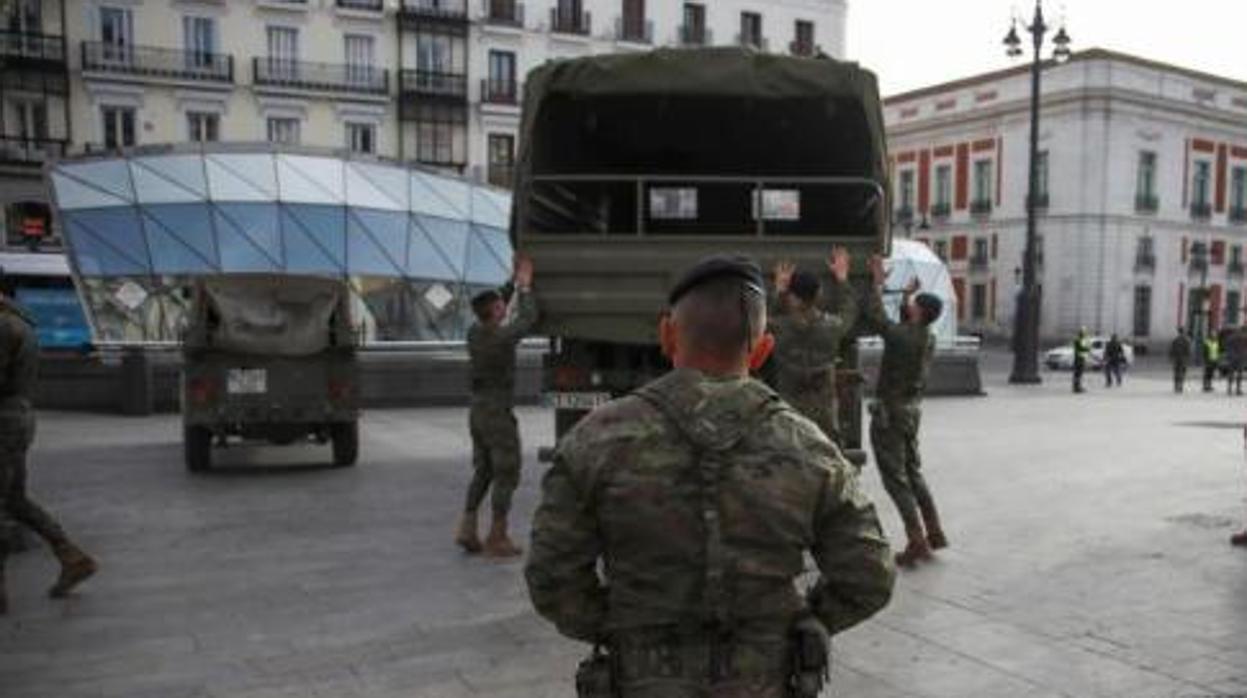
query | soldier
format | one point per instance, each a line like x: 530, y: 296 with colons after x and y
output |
x: 1179, y: 357
x: 808, y: 339
x: 19, y: 358
x: 908, y: 348
x: 1082, y: 349
x: 1235, y: 346
x: 495, y: 437
x: 702, y: 492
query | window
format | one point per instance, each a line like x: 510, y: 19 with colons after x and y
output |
x: 941, y: 249
x: 358, y: 49
x: 673, y: 203
x: 199, y: 36
x: 943, y: 189
x: 906, y: 194
x: 361, y: 137
x: 779, y: 205
x: 501, y: 86
x: 1238, y: 189
x: 1199, y: 184
x: 30, y: 118
x: 694, y: 29
x: 501, y: 159
x: 283, y: 52
x: 283, y: 130
x: 633, y: 22
x: 982, y: 184
x: 203, y: 127
x: 980, y: 251
x: 1145, y: 183
x: 116, y: 33
x: 118, y: 123
x: 803, y: 38
x: 751, y: 29
x: 978, y: 302
x: 1233, y: 307
x: 26, y: 17
x: 1142, y: 311
x: 434, y: 53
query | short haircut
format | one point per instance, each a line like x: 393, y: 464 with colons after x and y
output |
x: 482, y: 302
x: 721, y: 317
x: 804, y: 285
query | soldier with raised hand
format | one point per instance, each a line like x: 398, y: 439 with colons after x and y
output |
x: 908, y: 348
x: 701, y: 493
x: 19, y: 361
x: 808, y: 336
x: 496, y: 455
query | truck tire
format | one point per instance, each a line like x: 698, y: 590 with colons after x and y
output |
x: 345, y: 437
x: 197, y: 448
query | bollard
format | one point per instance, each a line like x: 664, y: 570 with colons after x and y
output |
x: 136, y: 383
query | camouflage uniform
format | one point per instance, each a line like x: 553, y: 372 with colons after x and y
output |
x: 19, y: 362
x: 1179, y: 356
x: 702, y: 495
x: 895, y: 415
x: 807, y: 345
x: 495, y: 436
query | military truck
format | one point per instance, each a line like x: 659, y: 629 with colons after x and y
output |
x: 270, y: 358
x: 631, y: 167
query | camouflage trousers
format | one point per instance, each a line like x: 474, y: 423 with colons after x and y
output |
x: 894, y: 438
x: 17, y: 431
x: 495, y: 456
x: 650, y: 665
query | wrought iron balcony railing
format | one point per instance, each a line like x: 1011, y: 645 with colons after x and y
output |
x: 695, y: 35
x: 153, y: 62
x: 904, y: 215
x: 633, y: 31
x: 940, y: 210
x: 501, y: 175
x: 1201, y: 210
x: 981, y: 207
x: 430, y: 83
x: 508, y: 13
x: 436, y: 9
x: 30, y: 151
x: 979, y: 262
x: 321, y: 77
x: 1146, y: 203
x: 1145, y: 262
x: 1238, y: 214
x: 565, y: 22
x: 364, y: 5
x: 29, y: 46
x: 500, y: 91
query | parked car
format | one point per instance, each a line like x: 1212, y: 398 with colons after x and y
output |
x: 1061, y: 358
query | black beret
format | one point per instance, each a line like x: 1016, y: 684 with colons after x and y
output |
x: 931, y: 305
x: 803, y: 285
x: 715, y: 267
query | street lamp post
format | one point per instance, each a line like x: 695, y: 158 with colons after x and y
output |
x: 1026, y: 318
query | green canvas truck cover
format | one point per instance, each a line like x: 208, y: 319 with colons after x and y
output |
x: 599, y: 133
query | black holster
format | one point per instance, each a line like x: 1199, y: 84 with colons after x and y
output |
x: 595, y: 676
x: 811, y: 658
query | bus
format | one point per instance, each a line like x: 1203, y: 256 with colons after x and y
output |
x: 42, y: 284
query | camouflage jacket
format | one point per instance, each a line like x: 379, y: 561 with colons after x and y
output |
x: 907, y: 353
x: 701, y: 496
x: 807, y: 343
x: 19, y: 357
x: 492, y: 353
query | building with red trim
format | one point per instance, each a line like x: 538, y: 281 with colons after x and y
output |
x: 1142, y: 196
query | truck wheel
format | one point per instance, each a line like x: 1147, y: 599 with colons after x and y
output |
x: 345, y: 437
x: 197, y: 448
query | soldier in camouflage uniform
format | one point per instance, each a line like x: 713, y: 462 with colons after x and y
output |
x: 808, y: 339
x: 701, y: 493
x: 907, y: 351
x: 495, y: 437
x: 19, y: 359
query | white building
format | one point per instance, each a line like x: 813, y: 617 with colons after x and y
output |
x: 1142, y: 196
x: 437, y: 82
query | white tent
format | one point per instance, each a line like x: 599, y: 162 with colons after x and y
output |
x: 910, y: 259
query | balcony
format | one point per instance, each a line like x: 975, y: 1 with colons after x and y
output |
x: 1201, y: 210
x: 579, y: 23
x: 807, y: 49
x: 361, y: 5
x: 427, y: 83
x: 979, y: 262
x: 29, y: 152
x: 635, y: 32
x: 1144, y: 262
x: 451, y: 14
x: 504, y: 13
x: 1238, y: 215
x: 157, y: 63
x: 940, y: 210
x: 758, y: 42
x: 695, y: 35
x: 35, y: 49
x: 321, y: 77
x: 501, y: 175
x: 981, y: 207
x: 500, y: 92
x: 1146, y: 203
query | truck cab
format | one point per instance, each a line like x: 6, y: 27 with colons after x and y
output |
x: 632, y: 167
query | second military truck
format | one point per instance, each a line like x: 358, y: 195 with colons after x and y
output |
x: 634, y: 166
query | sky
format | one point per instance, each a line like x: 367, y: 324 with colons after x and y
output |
x: 916, y: 43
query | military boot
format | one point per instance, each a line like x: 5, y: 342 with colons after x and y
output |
x: 1239, y: 539
x: 467, y: 537
x: 917, y: 549
x: 498, y: 544
x: 935, y: 532
x: 76, y: 567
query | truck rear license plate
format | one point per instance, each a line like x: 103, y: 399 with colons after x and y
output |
x: 247, y: 381
x: 576, y: 401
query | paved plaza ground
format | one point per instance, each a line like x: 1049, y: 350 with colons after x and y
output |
x: 1089, y: 533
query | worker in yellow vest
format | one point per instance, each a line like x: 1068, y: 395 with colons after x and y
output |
x: 1212, y: 356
